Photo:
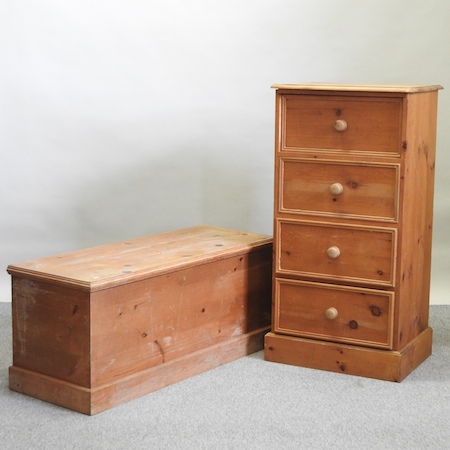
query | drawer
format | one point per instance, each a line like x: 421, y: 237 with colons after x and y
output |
x: 334, y: 313
x: 343, y: 189
x: 342, y: 253
x: 367, y: 124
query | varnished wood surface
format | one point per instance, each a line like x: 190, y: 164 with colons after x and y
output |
x: 387, y: 365
x: 51, y: 330
x: 203, y: 300
x: 136, y: 259
x: 378, y: 143
x: 373, y: 123
x: 370, y: 191
x: 401, y: 88
x: 136, y: 384
x: 361, y: 316
x: 151, y: 322
x: 416, y: 218
x: 367, y: 254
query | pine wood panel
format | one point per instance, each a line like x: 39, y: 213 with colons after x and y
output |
x: 364, y: 316
x: 388, y: 365
x: 132, y: 260
x: 416, y: 218
x: 90, y: 324
x: 367, y: 254
x: 370, y: 191
x: 332, y: 88
x: 373, y: 124
x: 154, y: 321
x: 309, y: 153
x: 106, y: 396
x: 51, y: 330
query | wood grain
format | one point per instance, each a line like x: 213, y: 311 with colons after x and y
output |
x: 388, y: 365
x: 367, y: 254
x: 102, y: 397
x: 366, y: 88
x: 379, y: 224
x: 373, y: 124
x: 369, y: 191
x: 359, y: 316
x: 92, y: 322
x: 132, y: 260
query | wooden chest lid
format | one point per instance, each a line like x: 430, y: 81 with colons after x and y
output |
x: 123, y: 262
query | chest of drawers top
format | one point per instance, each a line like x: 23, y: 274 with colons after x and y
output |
x: 333, y: 88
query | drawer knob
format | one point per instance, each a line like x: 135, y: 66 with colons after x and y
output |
x: 340, y: 125
x: 333, y: 252
x: 336, y: 188
x: 331, y: 313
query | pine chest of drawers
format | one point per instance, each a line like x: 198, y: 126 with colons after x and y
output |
x: 354, y: 179
x: 97, y: 327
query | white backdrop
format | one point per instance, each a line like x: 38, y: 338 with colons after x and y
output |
x: 122, y: 118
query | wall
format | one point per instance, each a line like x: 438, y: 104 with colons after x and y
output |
x: 123, y: 118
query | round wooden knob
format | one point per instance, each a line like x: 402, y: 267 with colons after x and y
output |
x: 336, y: 188
x: 340, y: 125
x: 333, y: 252
x: 331, y: 313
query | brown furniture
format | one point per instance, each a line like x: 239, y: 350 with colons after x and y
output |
x: 354, y: 176
x: 98, y: 327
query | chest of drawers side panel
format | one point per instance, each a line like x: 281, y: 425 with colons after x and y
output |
x: 416, y: 217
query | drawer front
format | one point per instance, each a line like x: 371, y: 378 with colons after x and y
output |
x: 356, y: 255
x: 366, y: 124
x: 334, y: 313
x: 363, y: 191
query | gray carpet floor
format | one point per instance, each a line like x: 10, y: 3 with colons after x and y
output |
x: 249, y: 404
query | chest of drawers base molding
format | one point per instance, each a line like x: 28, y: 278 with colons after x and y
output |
x: 353, y: 215
x: 98, y: 327
x: 388, y: 365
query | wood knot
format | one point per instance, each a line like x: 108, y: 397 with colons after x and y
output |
x: 375, y: 310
